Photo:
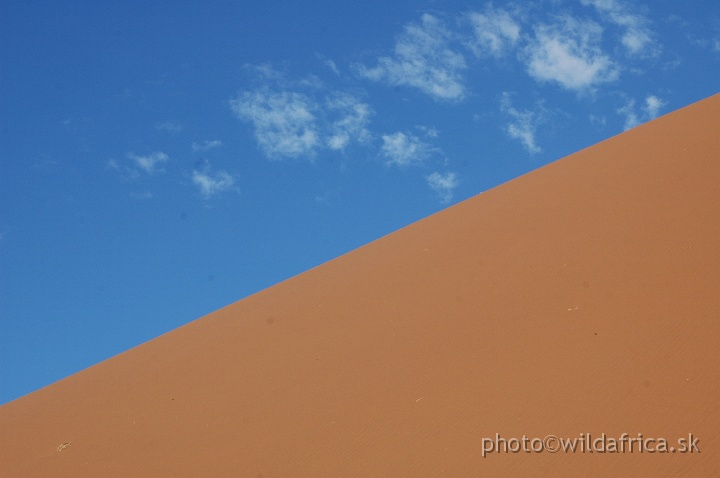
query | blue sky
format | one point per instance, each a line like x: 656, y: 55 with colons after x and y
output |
x: 160, y: 160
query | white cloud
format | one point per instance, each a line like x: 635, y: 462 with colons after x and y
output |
x: 494, y: 32
x: 568, y: 52
x: 522, y: 125
x: 301, y: 118
x: 150, y: 164
x: 351, y: 125
x: 285, y: 125
x: 211, y: 184
x: 423, y: 59
x: 652, y: 106
x: 597, y: 119
x: 265, y: 71
x: 206, y: 145
x: 631, y: 118
x: 429, y: 132
x: 311, y: 82
x: 332, y: 66
x: 169, y: 126
x: 650, y: 110
x: 404, y: 149
x: 636, y: 38
x: 716, y: 44
x: 443, y: 184
x: 112, y: 164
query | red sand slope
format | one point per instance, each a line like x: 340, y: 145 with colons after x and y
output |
x: 581, y: 298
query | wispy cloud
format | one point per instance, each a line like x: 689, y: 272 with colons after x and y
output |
x: 169, y: 126
x: 306, y: 117
x: 637, y: 38
x: 443, y: 184
x: 351, y: 124
x: 597, y: 120
x: 150, y: 164
x: 649, y: 110
x: 211, y: 184
x: 495, y: 32
x: 429, y: 132
x: 522, y: 124
x: 422, y: 59
x: 402, y: 149
x: 112, y: 164
x: 330, y: 64
x: 206, y: 145
x: 285, y: 125
x: 652, y: 106
x: 631, y: 118
x: 299, y: 119
x: 568, y: 52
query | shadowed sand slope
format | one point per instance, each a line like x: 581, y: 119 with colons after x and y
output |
x: 581, y: 298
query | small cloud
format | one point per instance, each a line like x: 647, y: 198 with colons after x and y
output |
x: 404, y: 149
x: 327, y: 197
x: 652, y: 106
x: 422, y: 59
x: 206, y: 145
x: 112, y: 164
x: 125, y: 172
x: 716, y: 44
x: 429, y: 132
x: 637, y: 38
x: 150, y: 164
x: 631, y: 118
x: 636, y: 41
x: 265, y: 71
x: 495, y: 32
x: 169, y: 126
x: 650, y: 110
x: 328, y: 63
x: 443, y: 184
x: 351, y: 125
x: 332, y: 66
x: 311, y: 82
x: 302, y: 118
x: 522, y: 125
x: 568, y: 52
x: 285, y: 125
x: 212, y: 184
x: 597, y: 119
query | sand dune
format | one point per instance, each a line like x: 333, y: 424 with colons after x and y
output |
x: 582, y: 298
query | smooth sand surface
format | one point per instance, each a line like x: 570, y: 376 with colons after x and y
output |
x: 583, y: 297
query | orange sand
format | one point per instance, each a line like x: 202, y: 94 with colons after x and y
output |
x: 583, y: 297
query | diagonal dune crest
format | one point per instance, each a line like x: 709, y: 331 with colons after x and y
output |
x: 577, y: 301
